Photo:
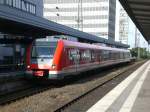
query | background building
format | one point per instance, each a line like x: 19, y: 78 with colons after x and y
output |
x: 123, y: 26
x: 29, y: 6
x: 93, y: 16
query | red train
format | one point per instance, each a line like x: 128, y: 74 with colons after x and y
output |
x: 59, y: 58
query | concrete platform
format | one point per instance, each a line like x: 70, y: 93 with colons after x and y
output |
x: 10, y: 76
x: 131, y: 95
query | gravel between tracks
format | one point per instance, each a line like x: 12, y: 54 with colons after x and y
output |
x: 50, y: 100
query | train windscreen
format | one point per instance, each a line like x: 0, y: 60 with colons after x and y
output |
x: 43, y: 51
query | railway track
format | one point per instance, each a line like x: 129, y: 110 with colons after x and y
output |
x: 32, y: 89
x: 21, y: 93
x: 105, y: 80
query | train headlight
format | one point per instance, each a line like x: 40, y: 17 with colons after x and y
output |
x: 28, y: 66
x: 53, y: 66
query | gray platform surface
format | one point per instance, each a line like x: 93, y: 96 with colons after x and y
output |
x: 131, y: 95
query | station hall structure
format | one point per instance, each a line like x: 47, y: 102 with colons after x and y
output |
x: 21, y: 21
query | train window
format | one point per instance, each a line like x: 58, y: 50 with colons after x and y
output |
x: 117, y: 55
x: 74, y: 54
x: 83, y: 55
x: 114, y: 55
x: 121, y: 55
x: 93, y: 55
x: 124, y: 55
x: 111, y: 55
x: 43, y: 51
x: 127, y: 56
x: 105, y: 55
x: 86, y: 55
x: 102, y: 55
x: 70, y: 53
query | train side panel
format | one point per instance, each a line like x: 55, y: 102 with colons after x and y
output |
x: 71, y: 58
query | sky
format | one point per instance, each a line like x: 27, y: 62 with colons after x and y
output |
x: 141, y: 42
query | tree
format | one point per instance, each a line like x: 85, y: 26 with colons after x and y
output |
x: 143, y: 52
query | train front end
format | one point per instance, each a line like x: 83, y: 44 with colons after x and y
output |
x: 40, y: 59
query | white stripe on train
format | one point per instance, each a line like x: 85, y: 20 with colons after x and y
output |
x: 87, y: 67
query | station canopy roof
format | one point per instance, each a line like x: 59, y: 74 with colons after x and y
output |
x: 139, y: 11
x: 18, y: 22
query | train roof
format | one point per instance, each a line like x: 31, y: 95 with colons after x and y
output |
x: 76, y: 44
x: 90, y: 46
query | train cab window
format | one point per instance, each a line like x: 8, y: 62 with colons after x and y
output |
x: 43, y: 51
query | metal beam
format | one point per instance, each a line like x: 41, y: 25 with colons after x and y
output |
x: 139, y: 11
x: 143, y: 3
x: 127, y: 7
